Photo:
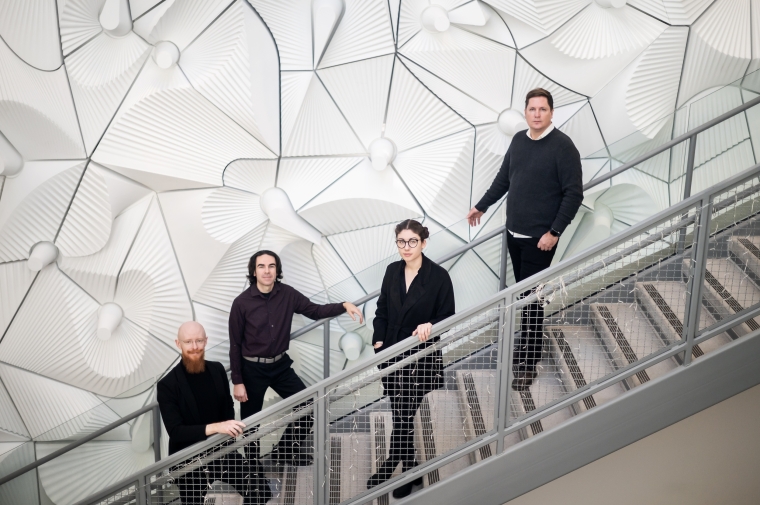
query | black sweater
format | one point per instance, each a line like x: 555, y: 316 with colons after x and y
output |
x: 545, y: 183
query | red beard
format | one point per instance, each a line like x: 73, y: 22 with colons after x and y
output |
x: 194, y: 363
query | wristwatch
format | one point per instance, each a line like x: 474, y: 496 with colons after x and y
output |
x: 554, y: 232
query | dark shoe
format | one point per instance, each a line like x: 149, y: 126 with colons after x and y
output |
x: 403, y: 491
x: 300, y: 459
x: 384, y: 473
x: 523, y: 379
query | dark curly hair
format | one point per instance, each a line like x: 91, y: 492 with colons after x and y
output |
x: 414, y: 226
x: 252, y: 265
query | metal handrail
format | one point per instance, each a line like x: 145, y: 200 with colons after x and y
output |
x: 319, y: 390
x: 691, y: 135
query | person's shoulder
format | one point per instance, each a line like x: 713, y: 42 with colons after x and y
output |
x: 437, y: 269
x: 169, y: 378
x: 561, y: 138
x: 217, y: 366
x: 393, y: 266
x: 246, y: 293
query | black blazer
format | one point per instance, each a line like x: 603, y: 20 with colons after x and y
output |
x: 429, y: 300
x: 180, y: 411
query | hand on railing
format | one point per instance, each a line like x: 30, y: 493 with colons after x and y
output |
x: 232, y: 428
x: 423, y: 331
x: 353, y: 311
x: 473, y: 217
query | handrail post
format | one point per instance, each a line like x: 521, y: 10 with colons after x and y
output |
x: 321, y: 434
x: 506, y: 354
x: 503, y: 261
x: 142, y: 491
x: 156, y: 433
x: 694, y: 293
x: 690, y: 166
x: 326, y: 349
x: 499, y: 371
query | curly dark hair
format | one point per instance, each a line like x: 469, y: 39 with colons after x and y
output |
x: 252, y: 265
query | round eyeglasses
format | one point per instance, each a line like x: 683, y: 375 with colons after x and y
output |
x: 412, y: 242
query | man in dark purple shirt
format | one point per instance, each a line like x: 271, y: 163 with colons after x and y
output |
x: 259, y: 329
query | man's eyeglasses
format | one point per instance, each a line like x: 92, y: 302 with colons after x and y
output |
x: 412, y: 242
x: 193, y: 343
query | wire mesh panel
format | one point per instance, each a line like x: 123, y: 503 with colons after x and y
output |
x: 731, y: 274
x: 417, y: 406
x: 126, y: 496
x: 607, y: 313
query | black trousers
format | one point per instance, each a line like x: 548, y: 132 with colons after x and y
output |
x: 247, y: 479
x: 281, y: 377
x: 527, y: 260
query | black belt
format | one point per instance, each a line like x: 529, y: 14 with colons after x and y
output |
x: 265, y: 360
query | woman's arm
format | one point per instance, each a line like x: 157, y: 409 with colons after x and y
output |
x: 380, y: 324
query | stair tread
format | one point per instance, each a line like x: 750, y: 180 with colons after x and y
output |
x: 730, y: 290
x: 638, y: 332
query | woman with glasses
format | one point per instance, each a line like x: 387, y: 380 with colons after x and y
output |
x: 416, y: 293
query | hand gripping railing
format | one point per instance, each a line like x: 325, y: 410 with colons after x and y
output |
x: 691, y: 136
x: 646, y: 254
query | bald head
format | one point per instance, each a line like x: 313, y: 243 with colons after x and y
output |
x: 191, y: 341
x: 191, y: 330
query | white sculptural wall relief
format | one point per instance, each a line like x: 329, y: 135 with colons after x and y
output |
x: 149, y: 147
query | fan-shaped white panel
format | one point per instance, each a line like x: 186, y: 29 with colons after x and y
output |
x: 151, y: 289
x: 276, y: 238
x: 122, y: 191
x: 528, y: 78
x: 255, y: 176
x: 584, y: 131
x: 494, y: 28
x: 473, y: 111
x: 100, y: 74
x: 674, y: 12
x: 364, y: 32
x: 308, y: 361
x: 600, y: 33
x: 30, y: 28
x: 723, y: 136
x: 228, y: 214
x: 215, y: 322
x: 67, y: 347
x: 472, y: 280
x: 36, y: 110
x: 439, y: 173
x: 341, y: 286
x: 87, y: 225
x: 181, y: 22
x: 290, y: 23
x: 52, y: 410
x: 79, y: 22
x: 544, y: 15
x: 318, y: 127
x: 490, y: 251
x: 415, y: 115
x: 362, y: 249
x: 35, y: 206
x: 490, y: 147
x: 720, y: 48
x: 362, y: 198
x: 12, y: 427
x: 479, y: 67
x: 15, y: 278
x: 234, y: 64
x: 409, y: 23
x: 723, y: 166
x: 97, y: 273
x: 167, y: 129
x: 361, y: 91
x: 228, y: 278
x: 104, y: 463
x: 304, y: 178
x: 140, y: 7
x: 300, y: 271
x: 655, y: 188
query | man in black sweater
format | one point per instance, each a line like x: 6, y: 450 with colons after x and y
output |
x: 543, y: 174
x: 195, y: 402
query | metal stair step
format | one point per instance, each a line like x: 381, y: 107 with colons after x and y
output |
x: 546, y: 387
x: 381, y: 427
x: 664, y: 302
x: 747, y: 250
x: 629, y: 336
x: 582, y: 359
x: 437, y: 430
x: 728, y: 290
x: 350, y: 465
x: 297, y: 486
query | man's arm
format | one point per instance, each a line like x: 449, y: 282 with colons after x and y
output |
x: 499, y: 186
x: 306, y: 307
x: 236, y: 330
x: 570, y: 173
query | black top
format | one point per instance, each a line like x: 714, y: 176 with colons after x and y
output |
x: 181, y: 407
x: 260, y: 326
x: 202, y: 385
x: 545, y: 183
x: 430, y: 299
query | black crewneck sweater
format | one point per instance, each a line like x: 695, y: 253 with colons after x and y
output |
x: 545, y: 183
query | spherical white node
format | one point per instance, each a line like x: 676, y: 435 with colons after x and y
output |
x: 115, y: 18
x: 109, y: 318
x: 615, y: 4
x: 165, y: 54
x: 511, y: 121
x: 11, y: 161
x: 382, y: 152
x: 278, y: 208
x: 43, y: 254
x: 435, y: 19
x: 351, y: 344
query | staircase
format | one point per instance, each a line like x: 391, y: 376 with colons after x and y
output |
x: 645, y: 329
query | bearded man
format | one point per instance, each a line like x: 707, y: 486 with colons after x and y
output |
x: 195, y: 402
